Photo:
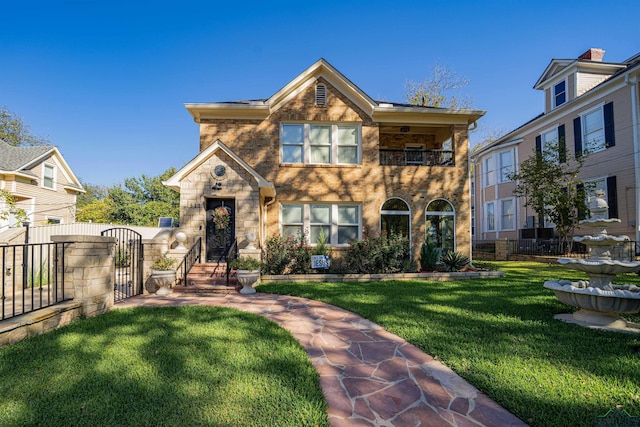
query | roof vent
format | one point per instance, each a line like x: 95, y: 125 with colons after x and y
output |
x: 321, y: 94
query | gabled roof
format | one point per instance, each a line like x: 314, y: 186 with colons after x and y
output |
x: 266, y: 187
x: 20, y: 160
x: 385, y: 111
x: 16, y: 159
x: 564, y: 66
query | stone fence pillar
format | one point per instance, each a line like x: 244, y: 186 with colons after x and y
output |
x: 88, y: 274
x: 502, y: 253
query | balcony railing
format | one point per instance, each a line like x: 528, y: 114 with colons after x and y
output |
x: 416, y: 157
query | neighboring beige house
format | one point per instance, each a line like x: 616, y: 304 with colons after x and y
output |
x: 41, y: 182
x: 590, y: 104
x: 320, y: 154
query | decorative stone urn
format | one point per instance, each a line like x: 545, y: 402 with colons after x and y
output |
x: 163, y: 279
x: 247, y: 278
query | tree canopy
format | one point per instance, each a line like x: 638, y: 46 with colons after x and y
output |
x: 14, y: 131
x: 141, y: 201
x: 548, y: 180
x: 440, y: 89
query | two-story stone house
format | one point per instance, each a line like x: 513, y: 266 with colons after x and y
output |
x: 41, y: 182
x: 321, y: 155
x: 589, y: 105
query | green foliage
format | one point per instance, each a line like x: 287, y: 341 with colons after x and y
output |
x: 92, y: 194
x: 9, y: 202
x: 277, y: 254
x: 164, y: 263
x: 123, y: 257
x: 40, y: 277
x: 429, y: 256
x: 162, y: 366
x: 385, y: 253
x: 548, y: 182
x: 140, y: 202
x: 14, y: 131
x: 246, y: 263
x: 454, y: 261
x: 321, y: 247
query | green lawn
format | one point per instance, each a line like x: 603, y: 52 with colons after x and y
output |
x: 176, y: 366
x: 500, y: 335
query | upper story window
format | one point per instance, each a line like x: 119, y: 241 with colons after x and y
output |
x: 550, y: 138
x: 559, y: 94
x: 593, y: 130
x: 48, y: 176
x: 489, y: 173
x: 307, y: 143
x: 506, y: 165
x: 321, y: 94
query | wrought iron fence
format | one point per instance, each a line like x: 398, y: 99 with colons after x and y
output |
x: 551, y: 247
x: 403, y: 157
x: 32, y: 277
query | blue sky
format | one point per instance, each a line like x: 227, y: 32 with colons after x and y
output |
x: 106, y: 81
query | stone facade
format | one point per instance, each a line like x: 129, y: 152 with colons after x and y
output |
x: 257, y: 142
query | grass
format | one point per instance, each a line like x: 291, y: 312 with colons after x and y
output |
x: 172, y: 366
x: 500, y: 335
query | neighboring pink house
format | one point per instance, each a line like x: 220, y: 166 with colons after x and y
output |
x: 587, y: 103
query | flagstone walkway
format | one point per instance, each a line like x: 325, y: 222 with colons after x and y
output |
x: 369, y: 376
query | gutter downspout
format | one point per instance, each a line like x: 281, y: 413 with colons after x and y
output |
x: 635, y: 123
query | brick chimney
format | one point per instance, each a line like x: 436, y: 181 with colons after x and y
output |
x: 593, y: 54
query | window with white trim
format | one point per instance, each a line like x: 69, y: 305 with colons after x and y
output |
x: 340, y: 223
x: 593, y: 130
x: 506, y: 165
x: 308, y: 143
x: 490, y: 217
x: 48, y: 176
x: 559, y: 94
x: 507, y: 214
x: 489, y: 173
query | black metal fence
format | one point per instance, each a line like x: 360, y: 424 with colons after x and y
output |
x: 552, y: 247
x: 32, y: 277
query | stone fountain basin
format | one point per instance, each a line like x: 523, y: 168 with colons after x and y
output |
x: 595, y: 299
x: 601, y: 266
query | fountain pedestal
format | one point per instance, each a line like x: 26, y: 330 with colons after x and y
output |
x: 599, y: 301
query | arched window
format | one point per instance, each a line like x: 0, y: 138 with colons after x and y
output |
x: 395, y: 217
x: 441, y: 225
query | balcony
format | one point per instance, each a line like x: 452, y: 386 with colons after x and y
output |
x: 413, y: 157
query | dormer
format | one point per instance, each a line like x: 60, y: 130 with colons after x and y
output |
x: 566, y: 79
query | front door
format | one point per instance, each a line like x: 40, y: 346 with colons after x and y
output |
x: 221, y: 228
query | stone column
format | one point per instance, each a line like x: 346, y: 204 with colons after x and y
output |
x: 88, y: 274
x: 501, y: 250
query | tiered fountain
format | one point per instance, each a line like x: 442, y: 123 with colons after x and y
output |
x: 599, y: 301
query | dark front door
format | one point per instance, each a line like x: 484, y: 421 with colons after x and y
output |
x: 221, y: 227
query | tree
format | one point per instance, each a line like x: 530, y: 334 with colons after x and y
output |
x: 549, y: 182
x: 141, y: 201
x: 16, y: 132
x: 93, y: 193
x: 8, y: 207
x: 438, y: 90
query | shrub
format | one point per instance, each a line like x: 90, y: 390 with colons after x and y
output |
x: 246, y: 263
x: 277, y: 254
x: 454, y: 261
x: 123, y: 258
x: 387, y: 253
x: 164, y: 263
x: 300, y: 256
x: 429, y: 256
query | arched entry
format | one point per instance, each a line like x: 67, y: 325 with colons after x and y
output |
x: 395, y: 217
x: 441, y: 225
x: 221, y: 228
